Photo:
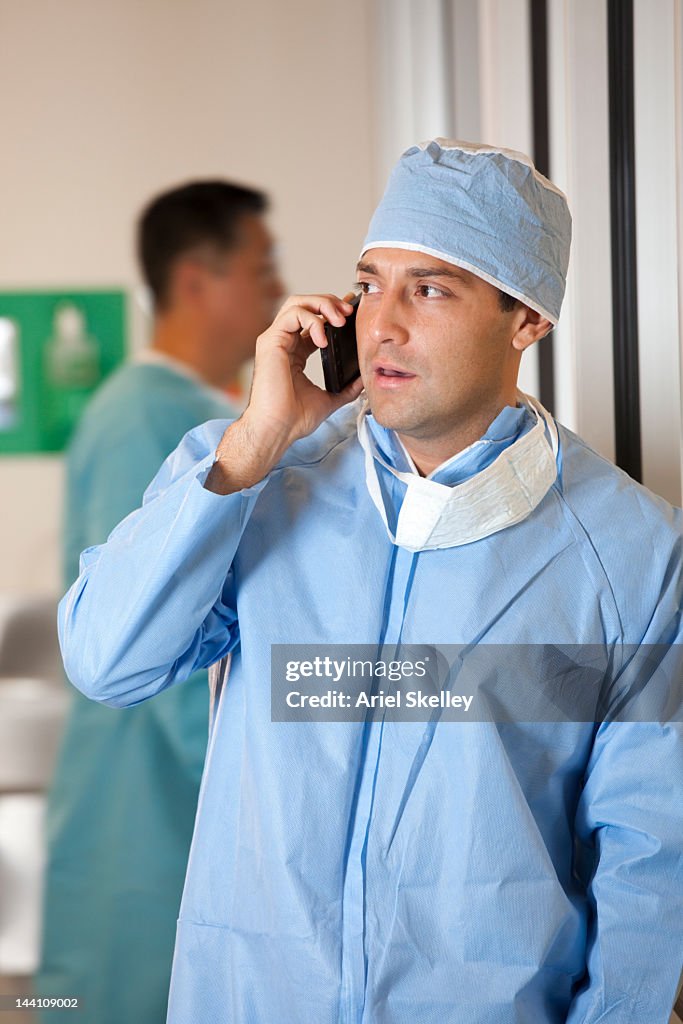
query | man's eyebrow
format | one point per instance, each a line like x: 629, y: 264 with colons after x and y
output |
x: 437, y: 272
x: 370, y: 268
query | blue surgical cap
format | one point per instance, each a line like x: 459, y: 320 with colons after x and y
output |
x: 484, y: 209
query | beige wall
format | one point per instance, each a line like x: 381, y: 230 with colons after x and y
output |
x: 102, y: 104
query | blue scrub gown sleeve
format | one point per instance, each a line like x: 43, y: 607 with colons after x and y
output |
x: 155, y: 602
x: 630, y: 815
x: 629, y: 828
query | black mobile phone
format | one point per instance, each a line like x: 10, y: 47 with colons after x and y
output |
x: 340, y: 358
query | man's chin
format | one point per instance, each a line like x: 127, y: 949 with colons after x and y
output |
x: 391, y: 418
x: 381, y: 412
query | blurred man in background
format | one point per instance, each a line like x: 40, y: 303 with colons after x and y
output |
x: 124, y: 796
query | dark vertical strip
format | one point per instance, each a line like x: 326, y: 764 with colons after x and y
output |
x: 448, y: 58
x: 539, y: 100
x: 623, y: 215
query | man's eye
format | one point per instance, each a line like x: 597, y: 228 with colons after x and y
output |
x: 426, y: 291
x: 366, y: 287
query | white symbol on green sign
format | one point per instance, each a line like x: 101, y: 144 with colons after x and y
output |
x: 55, y: 349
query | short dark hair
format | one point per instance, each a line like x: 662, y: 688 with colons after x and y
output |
x: 200, y: 213
x: 506, y: 302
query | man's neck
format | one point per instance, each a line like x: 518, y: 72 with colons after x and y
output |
x: 179, y: 339
x: 428, y: 453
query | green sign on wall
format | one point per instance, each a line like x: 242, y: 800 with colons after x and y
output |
x: 55, y: 350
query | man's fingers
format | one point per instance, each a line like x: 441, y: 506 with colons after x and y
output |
x: 330, y: 306
x: 299, y: 321
x: 302, y: 317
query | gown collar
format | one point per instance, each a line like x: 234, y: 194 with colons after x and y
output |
x: 507, y: 427
x: 494, y: 483
x: 151, y: 356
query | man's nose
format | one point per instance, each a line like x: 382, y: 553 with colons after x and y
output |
x: 384, y: 319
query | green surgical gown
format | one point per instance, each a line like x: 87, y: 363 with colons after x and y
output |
x: 124, y: 795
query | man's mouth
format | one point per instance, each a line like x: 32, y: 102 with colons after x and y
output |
x: 386, y: 370
x: 391, y: 378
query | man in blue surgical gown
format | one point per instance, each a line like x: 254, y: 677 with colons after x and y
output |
x: 124, y: 797
x: 516, y: 864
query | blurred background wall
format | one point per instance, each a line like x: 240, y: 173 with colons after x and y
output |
x: 103, y: 104
x: 592, y: 89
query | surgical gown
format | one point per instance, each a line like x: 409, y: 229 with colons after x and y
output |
x: 124, y: 795
x: 382, y: 871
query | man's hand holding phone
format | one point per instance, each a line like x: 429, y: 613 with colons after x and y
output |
x: 284, y: 404
x: 340, y: 356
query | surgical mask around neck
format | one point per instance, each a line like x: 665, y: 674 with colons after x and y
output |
x: 434, y: 515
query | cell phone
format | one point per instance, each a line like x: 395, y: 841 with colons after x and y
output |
x: 340, y: 358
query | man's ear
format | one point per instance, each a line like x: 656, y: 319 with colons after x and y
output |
x: 188, y: 282
x: 532, y: 328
